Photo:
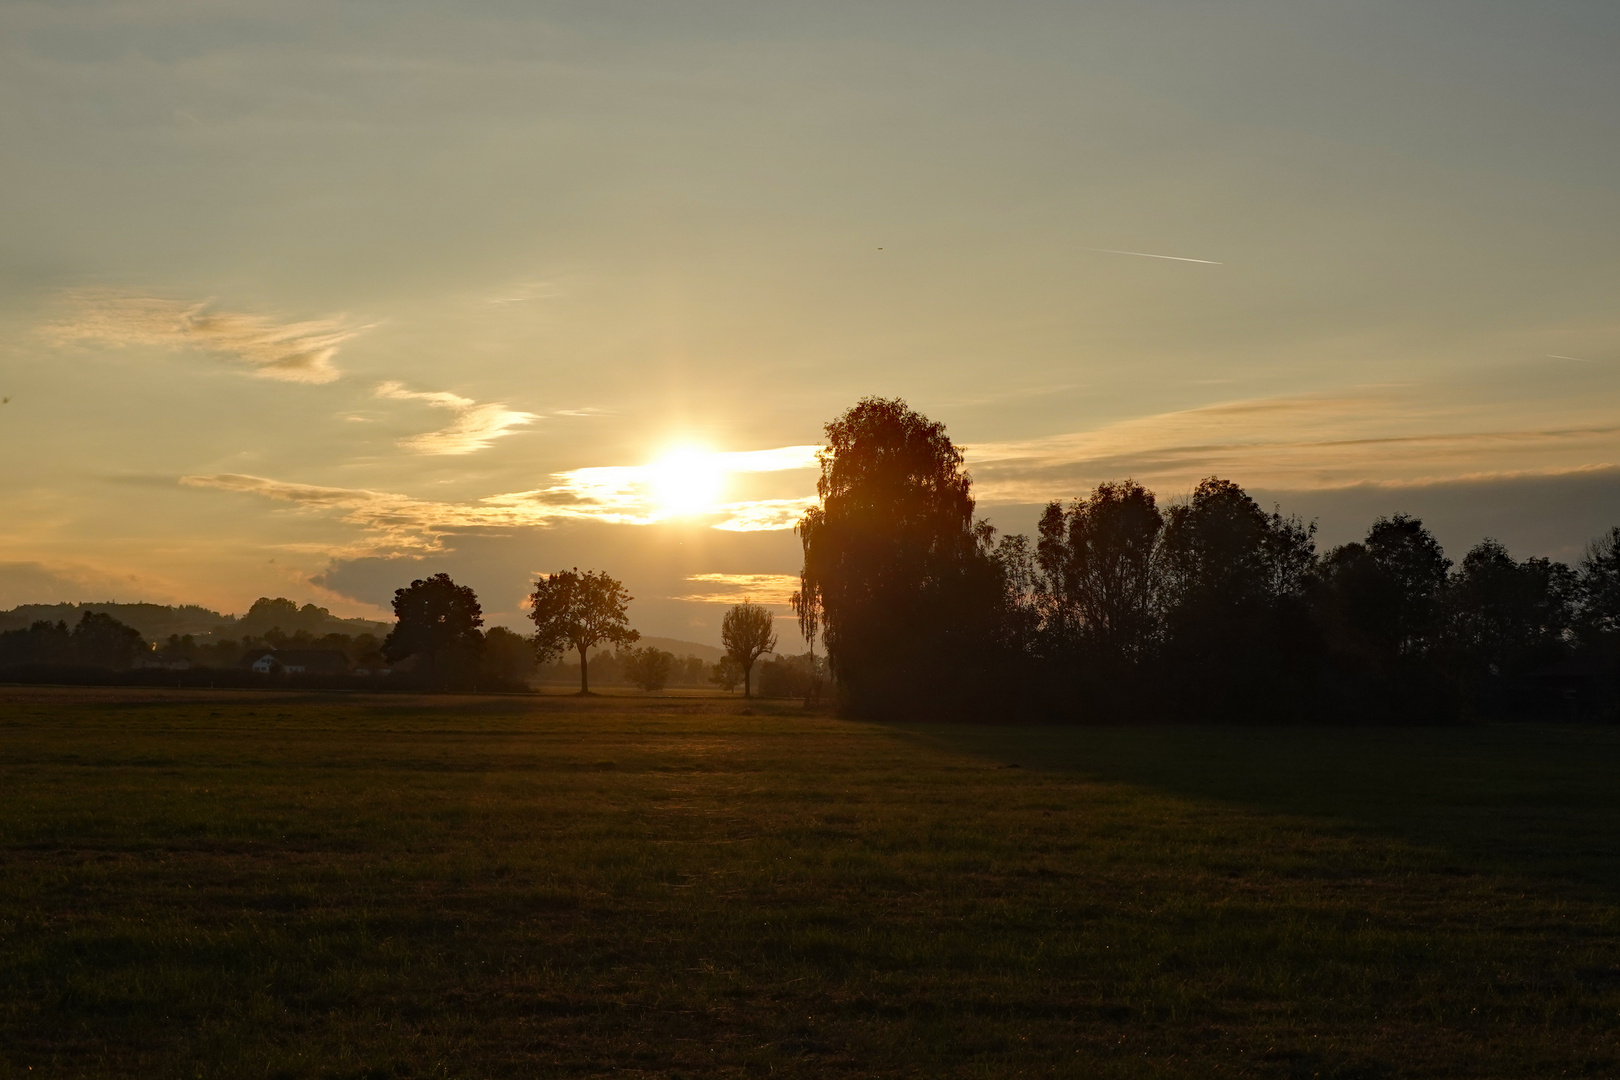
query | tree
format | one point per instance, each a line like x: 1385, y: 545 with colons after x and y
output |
x: 1599, y: 571
x: 43, y: 642
x: 1501, y: 617
x: 1238, y: 638
x: 1414, y: 568
x: 907, y: 589
x: 806, y: 605
x: 747, y: 635
x: 1098, y: 561
x: 579, y: 611
x: 102, y: 641
x: 726, y: 674
x: 649, y: 668
x: 437, y: 621
x: 508, y: 657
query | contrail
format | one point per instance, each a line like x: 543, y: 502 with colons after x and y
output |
x: 1150, y: 255
x: 1577, y: 359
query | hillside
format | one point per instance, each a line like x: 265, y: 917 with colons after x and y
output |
x: 157, y: 621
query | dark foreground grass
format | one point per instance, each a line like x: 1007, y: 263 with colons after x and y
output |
x: 241, y: 885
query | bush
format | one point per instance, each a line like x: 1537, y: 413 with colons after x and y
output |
x: 649, y: 668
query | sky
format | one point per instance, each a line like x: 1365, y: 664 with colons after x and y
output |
x: 310, y: 300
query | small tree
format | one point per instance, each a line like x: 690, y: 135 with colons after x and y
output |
x: 726, y: 674
x: 746, y: 633
x: 579, y: 611
x: 649, y: 668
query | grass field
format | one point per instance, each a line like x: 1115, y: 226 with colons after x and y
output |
x: 238, y: 884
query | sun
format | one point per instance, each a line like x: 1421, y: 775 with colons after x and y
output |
x: 686, y: 481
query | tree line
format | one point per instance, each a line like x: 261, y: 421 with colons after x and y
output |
x: 1209, y: 607
x: 438, y: 642
x: 437, y: 635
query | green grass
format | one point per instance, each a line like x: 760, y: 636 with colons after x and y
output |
x: 230, y: 884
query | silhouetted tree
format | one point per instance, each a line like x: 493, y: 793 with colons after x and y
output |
x: 726, y: 674
x: 746, y: 633
x: 508, y: 657
x: 1238, y: 636
x: 1415, y: 567
x: 1099, y: 567
x: 908, y: 591
x: 571, y: 609
x: 806, y: 604
x: 788, y: 676
x: 102, y: 641
x: 1599, y: 585
x: 437, y: 621
x: 649, y: 668
x: 1501, y: 619
x: 42, y: 642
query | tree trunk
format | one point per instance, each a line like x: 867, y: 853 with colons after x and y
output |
x: 748, y: 691
x: 584, y: 673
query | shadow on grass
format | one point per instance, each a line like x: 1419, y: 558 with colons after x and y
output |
x: 1536, y: 800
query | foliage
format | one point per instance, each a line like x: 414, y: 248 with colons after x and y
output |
x: 1098, y: 567
x: 726, y: 673
x: 1598, y: 589
x: 1208, y: 607
x: 745, y: 631
x: 792, y: 676
x: 508, y: 657
x: 902, y: 576
x: 97, y: 641
x: 437, y: 627
x: 649, y: 668
x: 571, y: 609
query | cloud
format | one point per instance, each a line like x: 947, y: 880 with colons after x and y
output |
x: 28, y: 582
x: 393, y: 523
x: 772, y: 590
x: 1389, y: 435
x: 289, y: 351
x: 765, y: 515
x: 612, y: 494
x: 475, y: 425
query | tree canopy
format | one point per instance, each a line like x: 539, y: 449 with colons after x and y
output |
x: 581, y: 611
x: 437, y: 623
x: 746, y: 633
x: 893, y: 559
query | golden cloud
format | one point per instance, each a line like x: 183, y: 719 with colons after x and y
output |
x: 1396, y: 435
x: 289, y: 351
x: 475, y: 425
x: 771, y: 590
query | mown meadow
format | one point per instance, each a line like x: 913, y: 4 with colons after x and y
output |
x: 252, y: 884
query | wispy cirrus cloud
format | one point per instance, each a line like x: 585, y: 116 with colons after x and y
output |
x: 270, y: 348
x: 1391, y: 435
x: 475, y: 425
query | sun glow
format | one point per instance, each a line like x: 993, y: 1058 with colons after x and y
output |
x: 687, y: 481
